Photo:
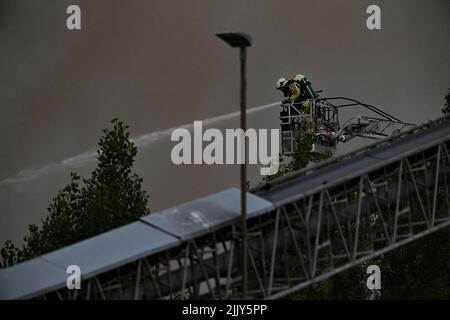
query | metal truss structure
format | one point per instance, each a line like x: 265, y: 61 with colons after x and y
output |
x: 318, y: 222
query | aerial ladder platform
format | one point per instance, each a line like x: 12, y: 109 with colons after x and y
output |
x: 321, y: 119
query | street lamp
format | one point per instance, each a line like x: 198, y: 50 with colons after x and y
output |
x: 242, y: 41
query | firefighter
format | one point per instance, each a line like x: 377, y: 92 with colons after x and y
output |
x: 285, y: 122
x: 307, y: 90
x: 298, y: 89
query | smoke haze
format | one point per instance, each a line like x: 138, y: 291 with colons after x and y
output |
x: 157, y: 65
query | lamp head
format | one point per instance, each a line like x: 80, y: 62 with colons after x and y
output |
x: 238, y: 39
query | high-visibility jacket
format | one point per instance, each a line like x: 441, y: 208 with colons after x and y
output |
x: 299, y: 90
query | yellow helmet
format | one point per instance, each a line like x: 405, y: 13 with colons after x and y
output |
x: 299, y: 77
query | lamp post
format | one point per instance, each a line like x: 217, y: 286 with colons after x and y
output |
x: 242, y: 41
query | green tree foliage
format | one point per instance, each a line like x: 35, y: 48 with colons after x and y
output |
x: 418, y: 270
x: 112, y: 197
x: 347, y: 285
x: 446, y: 109
x: 302, y: 156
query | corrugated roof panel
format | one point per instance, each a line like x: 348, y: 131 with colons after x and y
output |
x: 206, y: 214
x: 112, y: 249
x: 29, y: 279
x: 94, y: 256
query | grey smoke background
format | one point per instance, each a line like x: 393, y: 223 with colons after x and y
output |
x: 157, y: 65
